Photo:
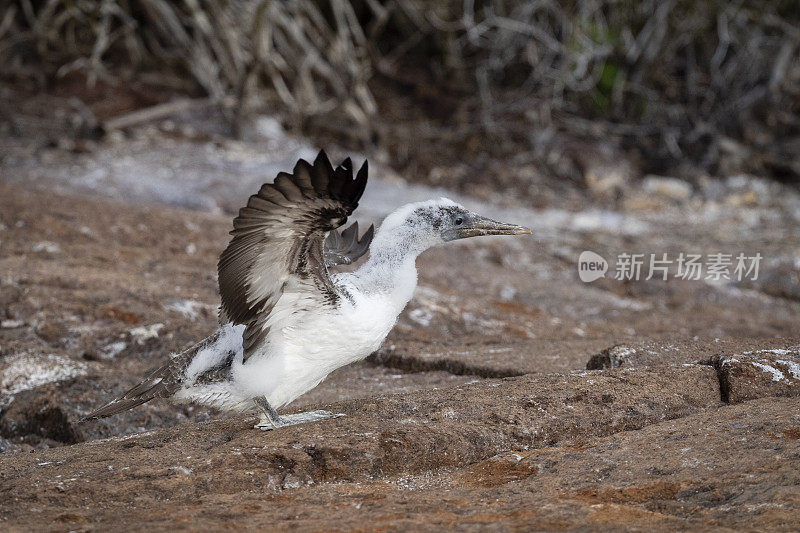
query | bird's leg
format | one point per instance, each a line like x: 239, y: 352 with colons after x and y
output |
x: 270, y: 419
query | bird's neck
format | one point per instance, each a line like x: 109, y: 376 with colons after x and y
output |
x: 391, y: 268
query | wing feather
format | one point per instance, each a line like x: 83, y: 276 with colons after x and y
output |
x: 288, y: 188
x: 321, y: 172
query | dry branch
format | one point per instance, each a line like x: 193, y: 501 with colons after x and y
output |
x: 157, y: 112
x: 683, y: 71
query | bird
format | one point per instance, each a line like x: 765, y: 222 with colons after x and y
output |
x: 289, y: 315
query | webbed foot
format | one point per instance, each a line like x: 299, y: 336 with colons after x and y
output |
x: 266, y: 423
x: 270, y: 419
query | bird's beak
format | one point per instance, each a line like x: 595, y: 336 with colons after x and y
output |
x: 476, y: 225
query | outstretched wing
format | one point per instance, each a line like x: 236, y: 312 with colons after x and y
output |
x: 279, y: 235
x: 345, y: 248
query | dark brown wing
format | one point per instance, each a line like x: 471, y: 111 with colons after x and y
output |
x: 280, y: 234
x: 346, y: 248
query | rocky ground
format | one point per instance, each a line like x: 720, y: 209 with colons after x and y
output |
x: 510, y: 395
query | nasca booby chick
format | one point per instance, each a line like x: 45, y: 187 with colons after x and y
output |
x: 287, y: 320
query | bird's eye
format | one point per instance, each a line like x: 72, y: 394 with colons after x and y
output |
x: 459, y: 221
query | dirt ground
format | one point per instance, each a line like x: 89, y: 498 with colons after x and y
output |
x: 511, y: 395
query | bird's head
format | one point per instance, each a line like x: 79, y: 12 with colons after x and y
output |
x: 427, y: 224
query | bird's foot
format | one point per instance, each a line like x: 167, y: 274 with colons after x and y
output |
x: 266, y: 423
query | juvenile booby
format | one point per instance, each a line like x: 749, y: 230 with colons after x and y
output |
x: 287, y: 320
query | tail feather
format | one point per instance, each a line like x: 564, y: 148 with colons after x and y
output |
x: 161, y: 383
x: 116, y: 406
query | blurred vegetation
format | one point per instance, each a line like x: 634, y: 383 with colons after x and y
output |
x: 677, y: 80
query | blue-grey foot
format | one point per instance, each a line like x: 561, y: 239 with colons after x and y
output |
x: 270, y: 419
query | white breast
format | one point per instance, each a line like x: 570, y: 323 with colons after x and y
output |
x: 310, y: 344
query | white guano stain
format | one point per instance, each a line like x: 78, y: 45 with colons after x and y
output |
x: 777, y: 375
x: 25, y: 371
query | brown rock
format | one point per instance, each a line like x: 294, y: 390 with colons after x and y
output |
x: 471, y: 455
x: 36, y: 416
x: 758, y: 374
x: 418, y: 432
x: 497, y: 471
x: 613, y: 357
